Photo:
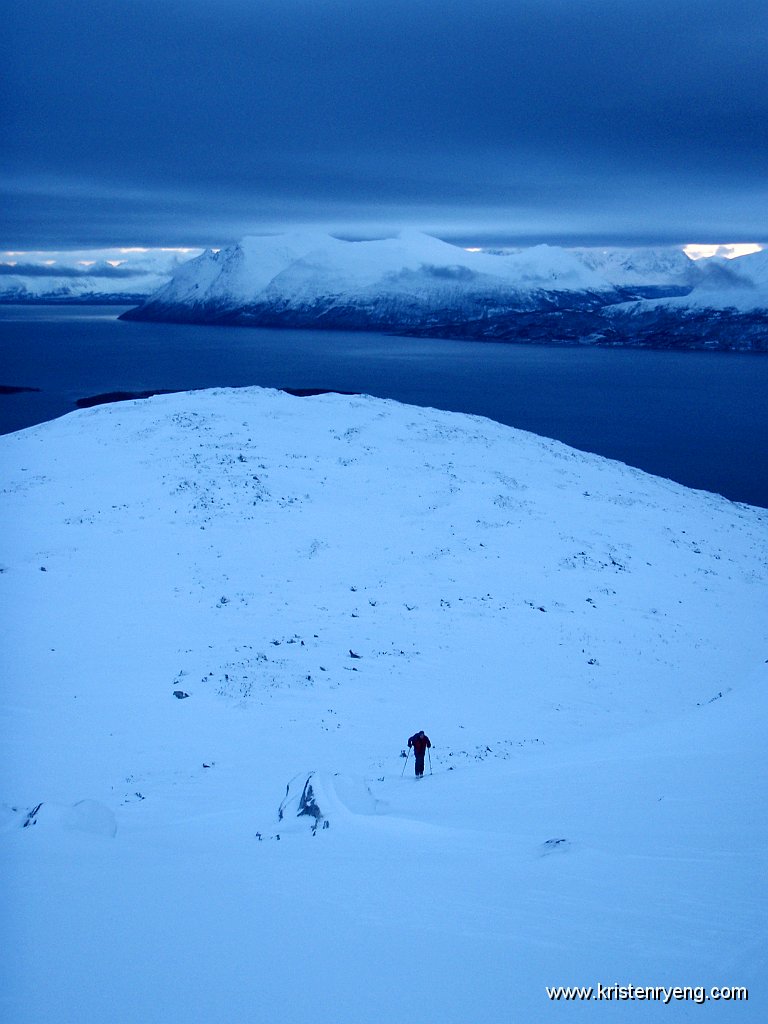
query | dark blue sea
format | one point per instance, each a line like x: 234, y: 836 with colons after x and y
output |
x: 699, y: 418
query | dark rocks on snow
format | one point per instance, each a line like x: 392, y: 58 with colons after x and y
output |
x: 307, y: 802
x: 31, y: 818
x: 305, y: 807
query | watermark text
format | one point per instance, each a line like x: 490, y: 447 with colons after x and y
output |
x: 652, y: 993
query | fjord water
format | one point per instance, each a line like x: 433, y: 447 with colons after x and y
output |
x: 700, y: 418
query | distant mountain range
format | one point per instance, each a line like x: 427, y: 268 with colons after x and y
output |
x: 419, y: 285
x: 118, y: 276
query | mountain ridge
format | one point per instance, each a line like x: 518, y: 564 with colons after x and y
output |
x: 419, y: 285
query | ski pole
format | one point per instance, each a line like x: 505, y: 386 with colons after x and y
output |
x: 402, y: 773
x: 429, y: 752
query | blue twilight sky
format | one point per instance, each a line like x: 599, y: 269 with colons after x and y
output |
x: 192, y: 122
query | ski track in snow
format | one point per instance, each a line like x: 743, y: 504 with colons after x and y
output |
x: 584, y: 643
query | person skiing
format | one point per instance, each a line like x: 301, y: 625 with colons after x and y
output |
x: 419, y: 742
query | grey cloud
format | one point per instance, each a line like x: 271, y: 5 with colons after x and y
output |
x: 217, y: 115
x: 57, y: 270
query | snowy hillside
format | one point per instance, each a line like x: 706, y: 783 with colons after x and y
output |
x: 223, y: 607
x: 416, y: 284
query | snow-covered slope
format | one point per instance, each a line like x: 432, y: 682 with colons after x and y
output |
x: 217, y: 602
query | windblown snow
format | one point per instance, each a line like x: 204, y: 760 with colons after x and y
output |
x: 226, y: 611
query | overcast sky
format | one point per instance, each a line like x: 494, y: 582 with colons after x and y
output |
x: 192, y: 122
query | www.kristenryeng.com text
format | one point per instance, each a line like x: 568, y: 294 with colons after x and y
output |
x: 652, y: 993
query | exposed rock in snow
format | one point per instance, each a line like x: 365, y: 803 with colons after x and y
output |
x: 90, y: 816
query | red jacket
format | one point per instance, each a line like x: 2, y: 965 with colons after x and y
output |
x: 419, y: 741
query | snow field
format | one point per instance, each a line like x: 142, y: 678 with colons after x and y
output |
x: 584, y: 644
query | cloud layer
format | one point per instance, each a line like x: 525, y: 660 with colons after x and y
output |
x: 194, y: 121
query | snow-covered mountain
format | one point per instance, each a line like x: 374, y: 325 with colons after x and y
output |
x: 739, y: 284
x: 88, y: 276
x: 225, y: 612
x: 727, y: 307
x: 412, y: 280
x: 667, y: 269
x: 420, y: 285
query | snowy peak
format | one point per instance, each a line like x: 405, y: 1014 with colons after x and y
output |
x: 646, y: 266
x: 235, y: 274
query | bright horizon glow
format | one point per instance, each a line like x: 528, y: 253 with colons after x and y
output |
x: 115, y: 256
x: 730, y: 250
x: 113, y: 252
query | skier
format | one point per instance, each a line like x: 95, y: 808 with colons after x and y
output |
x: 419, y: 742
